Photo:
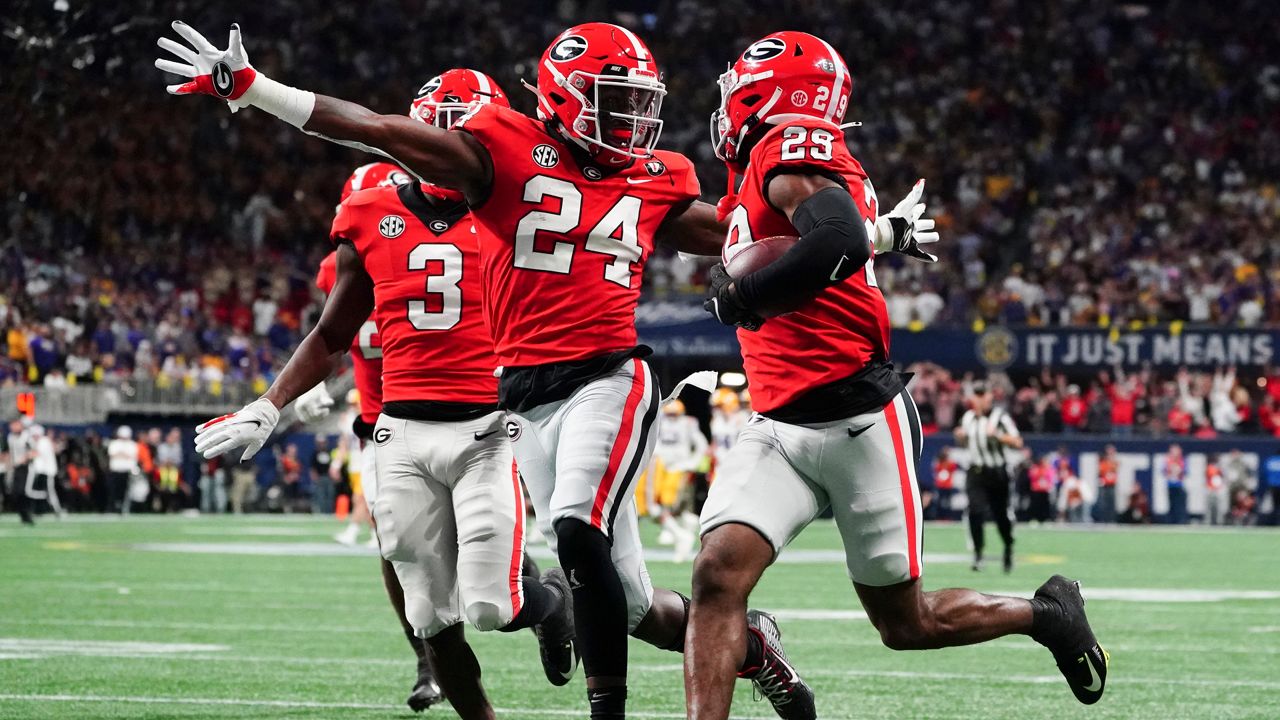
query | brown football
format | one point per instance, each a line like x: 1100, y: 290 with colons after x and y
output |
x: 759, y: 254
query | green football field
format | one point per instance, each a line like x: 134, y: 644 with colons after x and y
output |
x: 266, y: 617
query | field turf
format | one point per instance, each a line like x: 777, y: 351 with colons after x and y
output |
x: 156, y: 617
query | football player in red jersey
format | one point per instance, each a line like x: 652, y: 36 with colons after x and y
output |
x: 834, y: 425
x: 366, y: 364
x: 570, y: 205
x: 448, y: 500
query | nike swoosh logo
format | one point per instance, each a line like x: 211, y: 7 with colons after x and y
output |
x: 835, y: 274
x: 858, y: 431
x: 638, y: 181
x: 1096, y: 685
x: 480, y: 436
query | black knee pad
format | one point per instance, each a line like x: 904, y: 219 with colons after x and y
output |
x: 599, y: 601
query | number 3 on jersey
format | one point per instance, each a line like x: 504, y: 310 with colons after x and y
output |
x: 444, y: 285
x: 617, y: 233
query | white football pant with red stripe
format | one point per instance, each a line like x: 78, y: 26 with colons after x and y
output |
x: 580, y: 458
x: 779, y: 477
x: 450, y: 517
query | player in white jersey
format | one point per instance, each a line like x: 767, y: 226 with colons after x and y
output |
x: 680, y: 449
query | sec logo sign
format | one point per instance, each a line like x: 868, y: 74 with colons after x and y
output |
x: 546, y: 156
x: 391, y: 226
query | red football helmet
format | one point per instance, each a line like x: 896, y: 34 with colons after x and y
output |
x: 449, y: 95
x: 374, y: 175
x: 784, y: 76
x: 603, y: 87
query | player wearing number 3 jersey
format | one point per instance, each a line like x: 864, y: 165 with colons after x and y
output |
x: 834, y: 425
x: 569, y: 206
x: 449, y: 506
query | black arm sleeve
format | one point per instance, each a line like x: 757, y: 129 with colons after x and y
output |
x: 833, y: 245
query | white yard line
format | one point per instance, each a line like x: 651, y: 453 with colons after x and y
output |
x: 996, y: 677
x: 295, y: 704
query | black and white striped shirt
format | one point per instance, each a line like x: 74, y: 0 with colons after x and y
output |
x: 981, y: 431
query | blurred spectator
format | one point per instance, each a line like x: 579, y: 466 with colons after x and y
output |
x: 244, y: 485
x: 1174, y: 470
x: 322, y: 495
x: 19, y: 452
x: 1042, y: 476
x: 213, y: 485
x: 1139, y: 508
x: 43, y: 473
x: 1215, y: 492
x: 122, y: 465
x: 1108, y: 474
x: 945, y: 470
x: 169, y: 467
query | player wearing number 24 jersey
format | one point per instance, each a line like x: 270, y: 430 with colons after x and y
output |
x: 568, y: 207
x: 834, y: 426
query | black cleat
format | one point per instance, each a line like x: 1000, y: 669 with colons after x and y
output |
x: 1008, y: 558
x: 556, y: 635
x: 426, y: 692
x: 776, y: 680
x: 1060, y: 625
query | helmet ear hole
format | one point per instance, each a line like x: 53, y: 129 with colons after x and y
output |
x: 751, y: 100
x: 556, y: 98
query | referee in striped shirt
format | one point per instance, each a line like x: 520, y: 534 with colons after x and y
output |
x: 987, y: 431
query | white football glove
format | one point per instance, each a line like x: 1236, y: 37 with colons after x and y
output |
x: 313, y: 404
x: 250, y: 426
x: 224, y: 74
x: 904, y: 229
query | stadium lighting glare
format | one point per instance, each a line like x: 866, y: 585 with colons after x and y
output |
x: 733, y: 379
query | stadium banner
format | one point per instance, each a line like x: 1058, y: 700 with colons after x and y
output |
x: 1140, y: 461
x: 1003, y: 348
x: 684, y: 329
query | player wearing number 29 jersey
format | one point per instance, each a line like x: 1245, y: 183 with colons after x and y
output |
x: 835, y: 427
x: 846, y: 327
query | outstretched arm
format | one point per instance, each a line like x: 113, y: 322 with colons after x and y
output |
x: 442, y: 157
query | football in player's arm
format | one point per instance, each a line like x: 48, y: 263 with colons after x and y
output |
x: 833, y: 245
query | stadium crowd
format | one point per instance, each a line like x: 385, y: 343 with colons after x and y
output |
x: 144, y: 247
x: 1201, y: 405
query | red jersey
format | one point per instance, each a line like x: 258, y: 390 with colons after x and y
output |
x: 366, y: 349
x: 944, y: 474
x: 1108, y: 472
x: 563, y: 241
x: 1074, y: 411
x: 422, y: 258
x: 846, y: 326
